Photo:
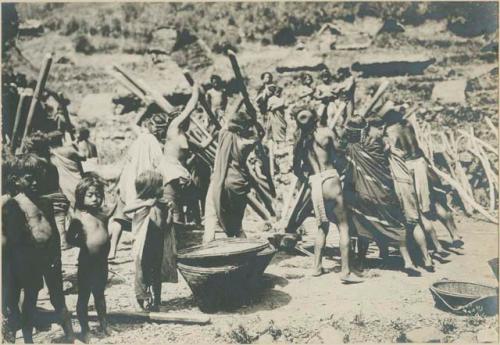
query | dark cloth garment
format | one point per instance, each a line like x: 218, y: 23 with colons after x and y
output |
x: 154, y: 249
x: 148, y: 270
x: 230, y: 183
x: 369, y: 193
x: 92, y: 271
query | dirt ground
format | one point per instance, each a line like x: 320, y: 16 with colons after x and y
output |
x: 295, y: 307
x: 292, y: 306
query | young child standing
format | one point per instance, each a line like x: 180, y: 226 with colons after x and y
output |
x: 37, y: 254
x: 154, y: 247
x: 88, y: 231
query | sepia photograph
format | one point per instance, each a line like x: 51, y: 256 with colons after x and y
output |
x: 250, y: 172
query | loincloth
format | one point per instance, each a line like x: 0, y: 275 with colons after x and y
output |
x: 419, y: 171
x: 316, y: 183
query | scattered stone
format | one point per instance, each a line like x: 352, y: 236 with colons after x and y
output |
x: 466, y: 338
x: 331, y: 335
x: 451, y: 91
x: 487, y: 336
x: 265, y: 339
x: 424, y: 335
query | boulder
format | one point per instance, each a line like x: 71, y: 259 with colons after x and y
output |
x: 488, y: 335
x: 424, y: 335
x: 392, y: 65
x: 450, y: 91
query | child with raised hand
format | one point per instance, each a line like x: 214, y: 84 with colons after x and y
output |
x: 88, y: 231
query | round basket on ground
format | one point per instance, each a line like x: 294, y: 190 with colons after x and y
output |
x: 263, y: 259
x: 218, y: 288
x: 465, y: 298
x: 221, y: 252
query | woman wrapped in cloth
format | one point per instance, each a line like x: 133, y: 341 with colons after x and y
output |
x: 155, y: 212
x: 147, y: 153
x: 371, y: 198
x: 226, y: 198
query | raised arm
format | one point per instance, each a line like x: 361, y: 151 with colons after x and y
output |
x: 190, y: 106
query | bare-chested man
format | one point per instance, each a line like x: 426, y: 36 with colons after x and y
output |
x: 217, y: 98
x: 415, y: 196
x: 313, y: 159
x: 177, y: 179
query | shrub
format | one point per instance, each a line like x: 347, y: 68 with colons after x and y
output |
x: 284, y: 37
x: 83, y: 45
x: 71, y: 27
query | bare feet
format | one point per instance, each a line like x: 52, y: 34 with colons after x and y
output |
x: 412, y: 271
x: 317, y: 272
x: 350, y: 278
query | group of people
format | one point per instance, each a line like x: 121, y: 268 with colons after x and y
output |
x: 39, y: 190
x: 366, y: 176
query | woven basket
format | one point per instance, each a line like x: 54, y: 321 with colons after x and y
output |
x: 464, y: 298
x: 221, y: 252
x: 216, y: 288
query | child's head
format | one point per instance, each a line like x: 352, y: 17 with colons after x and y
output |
x: 83, y: 134
x: 149, y: 185
x: 37, y: 143
x: 325, y: 77
x: 30, y: 170
x: 89, y: 193
x: 215, y: 80
x: 266, y: 77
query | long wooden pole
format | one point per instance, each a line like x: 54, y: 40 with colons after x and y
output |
x: 190, y: 318
x: 252, y: 112
x: 463, y: 194
x: 17, y: 121
x: 381, y: 89
x: 40, y: 86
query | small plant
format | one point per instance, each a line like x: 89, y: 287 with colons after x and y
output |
x: 240, y: 335
x: 448, y: 326
x: 274, y: 330
x: 475, y: 320
x: 359, y: 320
x: 398, y: 325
